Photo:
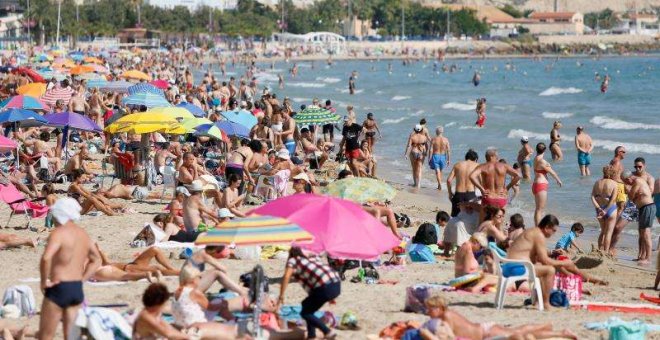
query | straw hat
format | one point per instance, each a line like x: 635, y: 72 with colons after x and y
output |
x: 195, y: 186
x: 480, y: 238
x: 283, y: 154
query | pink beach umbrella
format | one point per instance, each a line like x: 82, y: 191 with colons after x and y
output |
x: 341, y: 228
x: 7, y: 144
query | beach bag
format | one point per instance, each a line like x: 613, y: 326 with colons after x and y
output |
x: 571, y: 285
x: 416, y: 297
x: 144, y: 238
x: 426, y: 234
x: 421, y: 253
x: 402, y: 220
x: 22, y: 297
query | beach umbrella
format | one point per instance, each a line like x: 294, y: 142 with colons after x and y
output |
x: 243, y: 117
x: 63, y: 62
x: 361, y: 190
x: 97, y: 68
x: 77, y: 56
x: 32, y: 89
x: 192, y: 123
x: 135, y: 74
x: 58, y: 93
x: 340, y: 228
x: 233, y: 129
x: 30, y: 73
x: 81, y: 69
x: 192, y: 108
x: 50, y: 73
x: 209, y: 130
x: 7, y: 144
x: 90, y: 76
x: 71, y: 120
x: 255, y: 230
x: 145, y: 87
x: 144, y: 122
x: 160, y: 83
x: 176, y: 112
x: 21, y: 116
x: 147, y: 99
x: 93, y: 60
x: 24, y: 102
x: 44, y: 57
x: 120, y: 86
x: 314, y: 115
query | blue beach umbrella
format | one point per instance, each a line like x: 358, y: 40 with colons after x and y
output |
x: 243, y: 117
x: 145, y: 87
x: 21, y: 116
x: 194, y: 109
x: 147, y: 99
x: 233, y: 129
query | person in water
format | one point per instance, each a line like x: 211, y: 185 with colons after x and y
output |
x: 481, y: 112
x: 555, y: 138
x: 605, y: 84
x: 476, y: 79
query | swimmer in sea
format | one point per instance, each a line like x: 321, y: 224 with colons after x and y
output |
x: 481, y: 112
x: 371, y: 127
x: 584, y: 146
x: 524, y: 158
x: 476, y: 79
x: 351, y: 83
x: 555, y: 138
x: 605, y: 84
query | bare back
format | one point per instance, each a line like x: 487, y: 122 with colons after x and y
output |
x: 462, y: 171
x: 439, y: 145
x: 493, y: 179
x: 73, y: 247
x: 528, y: 246
x: 583, y: 142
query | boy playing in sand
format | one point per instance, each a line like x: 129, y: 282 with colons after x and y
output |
x: 435, y: 329
x: 567, y: 240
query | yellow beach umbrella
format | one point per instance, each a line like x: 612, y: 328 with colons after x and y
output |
x: 175, y: 112
x: 135, y: 74
x: 145, y: 122
x: 32, y: 89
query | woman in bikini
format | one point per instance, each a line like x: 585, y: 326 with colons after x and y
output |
x: 603, y: 197
x: 137, y: 269
x: 540, y: 185
x: 555, y: 138
x: 416, y: 151
x: 88, y: 200
x: 96, y: 107
x: 371, y: 127
x: 493, y: 223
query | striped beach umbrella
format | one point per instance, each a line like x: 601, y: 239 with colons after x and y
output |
x: 361, y: 190
x: 145, y: 87
x: 314, y: 115
x: 57, y: 93
x: 24, y: 102
x: 147, y: 99
x: 255, y: 230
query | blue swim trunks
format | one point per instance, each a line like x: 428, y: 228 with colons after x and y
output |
x: 583, y: 158
x: 291, y: 146
x: 438, y: 162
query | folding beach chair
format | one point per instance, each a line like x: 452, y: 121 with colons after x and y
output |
x: 19, y: 204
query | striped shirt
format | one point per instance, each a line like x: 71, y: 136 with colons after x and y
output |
x: 311, y: 272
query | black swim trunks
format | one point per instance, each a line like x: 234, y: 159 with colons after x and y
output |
x: 66, y: 294
x: 328, y: 128
x: 460, y: 197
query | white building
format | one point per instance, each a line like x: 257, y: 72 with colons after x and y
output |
x: 194, y: 4
x: 11, y: 26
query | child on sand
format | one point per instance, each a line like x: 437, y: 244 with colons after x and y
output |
x: 568, y: 240
x: 443, y: 318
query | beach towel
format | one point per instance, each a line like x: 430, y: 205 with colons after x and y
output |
x: 176, y: 245
x: 571, y: 285
x: 280, y: 182
x: 421, y: 253
x: 22, y: 297
x: 624, y: 330
x: 102, y: 324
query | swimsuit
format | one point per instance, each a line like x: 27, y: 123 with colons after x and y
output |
x: 66, y: 294
x: 499, y: 202
x: 621, y: 193
x: 417, y: 155
x: 539, y: 187
x: 370, y: 134
x: 646, y: 216
x: 481, y: 121
x: 460, y: 197
x: 630, y: 212
x: 583, y: 158
x: 608, y: 210
x: 438, y: 161
x: 656, y: 199
x: 291, y: 146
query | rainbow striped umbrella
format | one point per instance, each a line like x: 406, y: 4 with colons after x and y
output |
x: 24, y: 102
x: 255, y: 230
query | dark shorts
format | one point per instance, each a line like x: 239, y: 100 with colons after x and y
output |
x: 66, y: 294
x: 184, y: 236
x: 328, y: 128
x: 460, y: 197
x: 646, y: 216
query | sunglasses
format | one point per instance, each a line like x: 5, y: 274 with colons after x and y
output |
x: 638, y: 166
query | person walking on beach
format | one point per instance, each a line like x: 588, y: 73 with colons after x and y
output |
x: 603, y: 197
x: 555, y: 138
x: 540, y: 186
x: 621, y: 197
x: 370, y: 127
x: 70, y: 258
x: 490, y: 179
x: 641, y: 194
x: 416, y: 151
x: 440, y: 154
x: 584, y: 146
x: 464, y: 191
x: 350, y: 143
x: 525, y: 158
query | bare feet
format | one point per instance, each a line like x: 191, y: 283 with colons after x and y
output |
x: 150, y: 277
x: 568, y: 334
x: 159, y: 276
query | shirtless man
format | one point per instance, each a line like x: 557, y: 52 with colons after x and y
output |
x: 310, y: 149
x: 232, y: 199
x: 78, y: 104
x: 40, y: 148
x: 262, y: 132
x: 194, y: 210
x: 640, y: 193
x: 440, y: 154
x: 288, y: 131
x: 190, y: 171
x: 656, y: 198
x: 466, y: 263
x: 370, y: 127
x: 464, y: 191
x: 70, y: 258
x: 490, y: 179
x: 96, y: 106
x: 525, y: 158
x: 77, y: 162
x: 163, y: 155
x: 621, y: 198
x: 416, y: 152
x: 584, y: 146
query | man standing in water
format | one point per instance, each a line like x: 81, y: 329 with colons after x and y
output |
x: 525, y: 158
x: 440, y: 154
x: 490, y: 179
x: 584, y: 146
x: 464, y: 191
x: 351, y: 83
x: 70, y: 258
x: 640, y: 193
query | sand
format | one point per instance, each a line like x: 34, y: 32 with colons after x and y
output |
x: 375, y: 305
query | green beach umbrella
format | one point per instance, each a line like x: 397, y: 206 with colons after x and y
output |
x: 314, y: 115
x: 361, y: 190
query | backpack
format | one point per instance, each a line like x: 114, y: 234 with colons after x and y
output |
x: 426, y: 234
x: 421, y: 253
x: 22, y: 297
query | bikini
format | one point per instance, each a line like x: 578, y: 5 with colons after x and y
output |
x: 609, y: 210
x: 539, y: 187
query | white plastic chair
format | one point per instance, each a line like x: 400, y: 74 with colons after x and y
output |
x: 169, y: 179
x: 503, y: 282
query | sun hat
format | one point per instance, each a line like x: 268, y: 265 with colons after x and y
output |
x: 524, y: 139
x: 195, y: 186
x: 224, y: 213
x: 182, y: 190
x: 302, y: 176
x: 283, y: 154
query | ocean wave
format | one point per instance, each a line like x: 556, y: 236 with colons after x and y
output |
x: 606, y: 144
x: 298, y: 100
x: 266, y: 77
x: 450, y: 124
x: 303, y: 84
x: 556, y: 115
x: 346, y: 90
x: 328, y: 80
x: 417, y: 113
x: 617, y: 124
x: 399, y: 98
x: 459, y: 106
x: 394, y: 121
x: 468, y: 127
x: 553, y: 91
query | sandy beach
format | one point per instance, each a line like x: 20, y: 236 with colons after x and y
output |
x: 375, y: 305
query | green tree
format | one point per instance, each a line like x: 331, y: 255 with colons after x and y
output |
x: 604, y: 19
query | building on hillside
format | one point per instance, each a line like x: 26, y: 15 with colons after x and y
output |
x: 637, y: 23
x: 549, y: 23
x: 501, y: 23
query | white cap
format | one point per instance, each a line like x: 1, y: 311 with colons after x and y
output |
x: 243, y: 103
x: 524, y: 139
x: 418, y: 128
x: 283, y: 154
x: 302, y: 176
x: 224, y: 213
x: 66, y: 209
x: 195, y: 186
x: 182, y: 190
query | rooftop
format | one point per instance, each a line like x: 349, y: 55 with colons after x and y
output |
x: 552, y: 15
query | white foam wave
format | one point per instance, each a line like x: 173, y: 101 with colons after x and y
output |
x: 606, y: 144
x: 328, y: 80
x: 468, y: 127
x: 417, y: 113
x: 266, y: 77
x: 303, y: 84
x: 553, y: 91
x: 450, y: 124
x: 556, y: 115
x: 459, y: 106
x: 346, y: 90
x: 399, y: 98
x: 379, y: 92
x: 617, y: 124
x: 298, y: 100
x: 394, y: 121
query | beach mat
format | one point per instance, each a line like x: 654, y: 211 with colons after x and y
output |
x: 617, y: 307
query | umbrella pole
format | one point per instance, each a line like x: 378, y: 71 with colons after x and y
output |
x: 144, y: 155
